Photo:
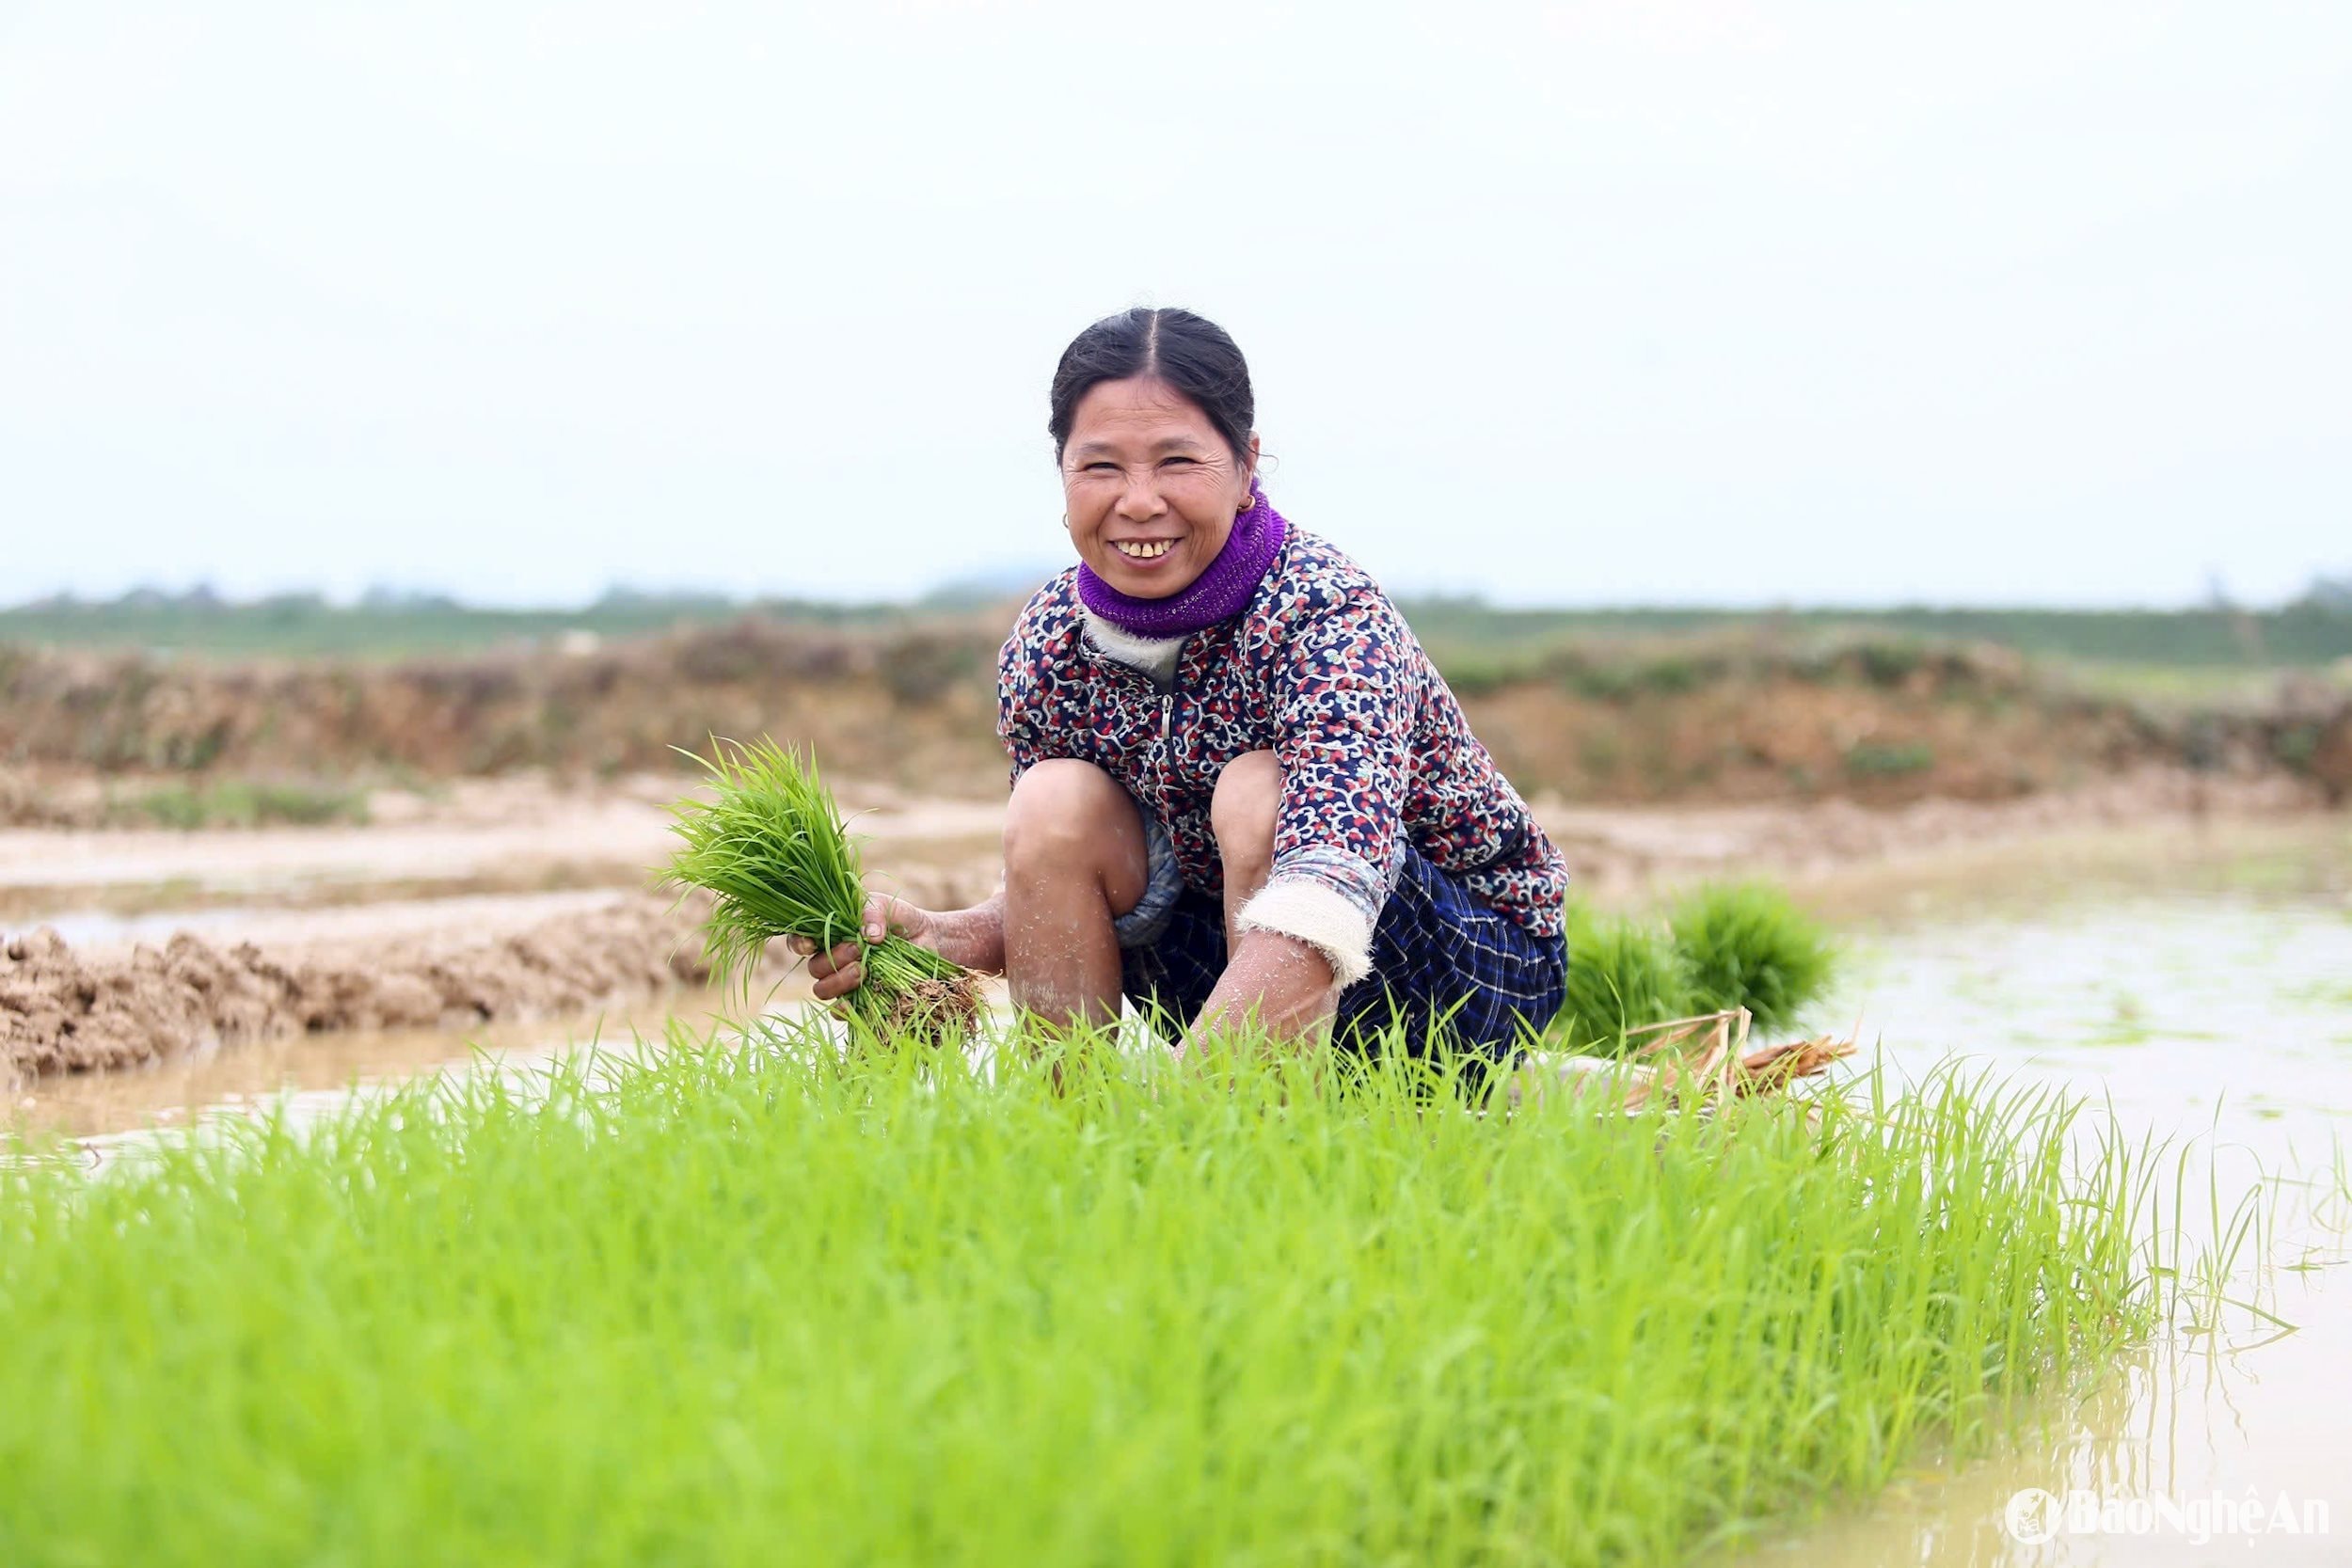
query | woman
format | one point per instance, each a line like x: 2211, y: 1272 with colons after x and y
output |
x: 1240, y: 788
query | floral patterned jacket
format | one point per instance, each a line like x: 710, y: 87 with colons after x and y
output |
x: 1321, y: 669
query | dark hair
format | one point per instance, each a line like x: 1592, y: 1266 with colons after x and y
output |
x: 1192, y: 354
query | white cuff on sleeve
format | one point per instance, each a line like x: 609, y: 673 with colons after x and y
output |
x: 1321, y: 917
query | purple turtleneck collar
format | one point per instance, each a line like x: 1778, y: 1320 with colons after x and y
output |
x: 1217, y: 594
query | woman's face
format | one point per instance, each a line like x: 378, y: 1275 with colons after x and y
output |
x: 1152, y: 489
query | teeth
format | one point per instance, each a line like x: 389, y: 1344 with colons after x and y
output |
x: 1152, y: 551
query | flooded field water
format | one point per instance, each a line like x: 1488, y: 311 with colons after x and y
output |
x: 2205, y: 996
x: 321, y: 1068
x: 99, y: 929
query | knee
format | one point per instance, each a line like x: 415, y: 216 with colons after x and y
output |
x: 1063, y: 816
x: 1242, y: 810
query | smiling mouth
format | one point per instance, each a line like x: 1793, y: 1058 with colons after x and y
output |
x: 1143, y: 549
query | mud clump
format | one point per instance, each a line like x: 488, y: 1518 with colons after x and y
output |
x: 61, y: 1012
x: 935, y: 1012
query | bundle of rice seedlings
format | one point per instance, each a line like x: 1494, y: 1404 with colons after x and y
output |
x: 1748, y: 945
x: 770, y: 847
x: 1622, y: 974
x: 1724, y: 949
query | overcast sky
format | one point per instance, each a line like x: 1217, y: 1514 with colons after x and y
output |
x: 1710, y: 302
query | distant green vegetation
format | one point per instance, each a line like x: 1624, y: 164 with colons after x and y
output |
x: 2310, y: 632
x: 751, y: 1300
x: 237, y: 803
x: 1871, y: 759
x: 1467, y: 634
x: 299, y: 626
x: 2189, y: 686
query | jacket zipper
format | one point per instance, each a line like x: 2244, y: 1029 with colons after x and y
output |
x: 1168, y: 700
x: 1168, y: 723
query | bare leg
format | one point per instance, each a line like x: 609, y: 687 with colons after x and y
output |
x: 1241, y: 814
x: 1074, y: 860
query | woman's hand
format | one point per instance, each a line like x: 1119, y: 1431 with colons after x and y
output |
x: 1273, y: 984
x: 973, y: 937
x: 837, y: 973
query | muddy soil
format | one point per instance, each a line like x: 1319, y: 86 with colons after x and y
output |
x: 159, y: 968
x: 523, y: 832
x: 62, y: 1011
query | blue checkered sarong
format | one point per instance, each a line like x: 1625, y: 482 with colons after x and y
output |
x: 1445, y: 967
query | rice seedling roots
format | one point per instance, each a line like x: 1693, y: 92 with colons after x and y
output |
x: 1706, y: 1060
x: 938, y: 1012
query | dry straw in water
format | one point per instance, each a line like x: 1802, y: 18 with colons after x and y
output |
x: 770, y: 847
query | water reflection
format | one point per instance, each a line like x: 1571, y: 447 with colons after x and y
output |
x: 181, y: 1089
x: 98, y: 929
x: 2181, y: 1420
x: 2223, y: 1021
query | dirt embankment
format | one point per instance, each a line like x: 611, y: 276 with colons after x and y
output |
x: 64, y: 1012
x: 916, y: 709
x: 1880, y: 724
x: 1877, y: 723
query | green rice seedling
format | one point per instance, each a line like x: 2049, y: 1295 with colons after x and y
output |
x: 771, y: 849
x: 753, y: 1296
x: 1748, y: 945
x: 1623, y: 974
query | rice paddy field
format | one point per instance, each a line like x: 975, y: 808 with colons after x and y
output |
x: 746, y: 1301
x: 734, y: 1295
